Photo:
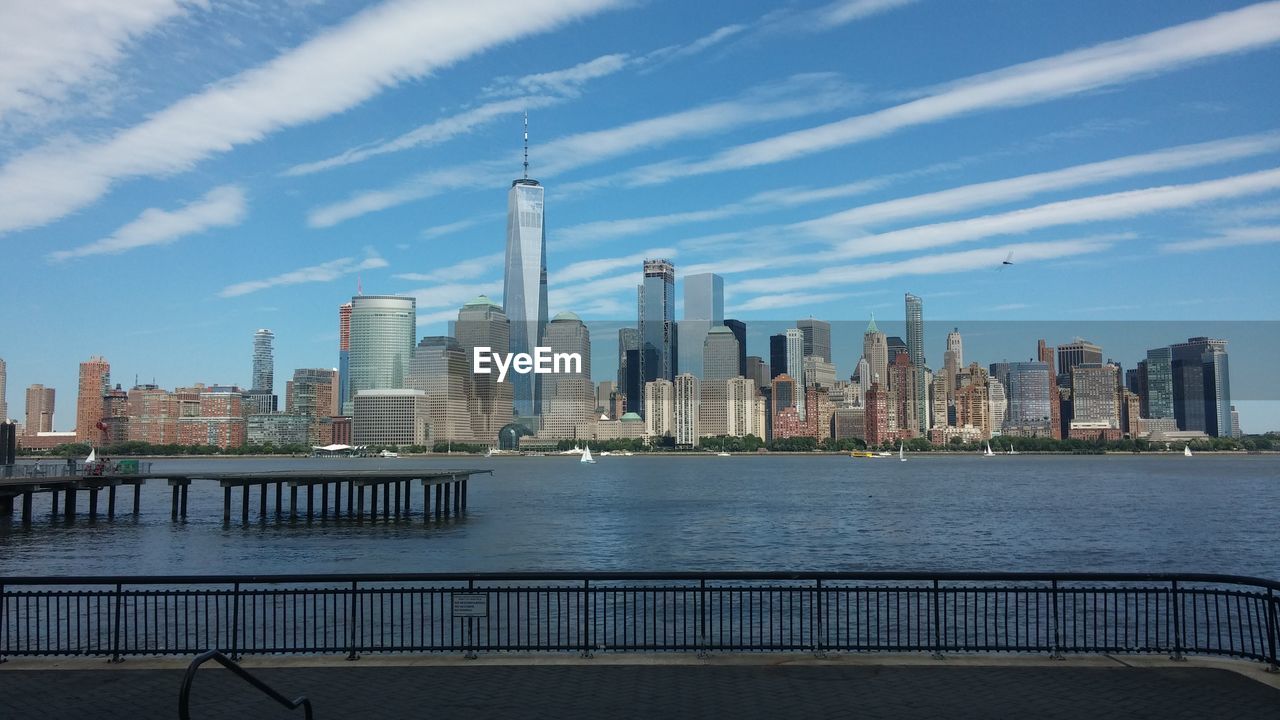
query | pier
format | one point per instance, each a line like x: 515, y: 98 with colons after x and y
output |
x: 329, y: 494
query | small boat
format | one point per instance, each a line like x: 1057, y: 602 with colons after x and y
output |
x: 723, y: 454
x: 93, y: 456
x: 988, y: 452
x: 586, y: 456
x: 574, y: 451
x: 1012, y: 451
x: 1186, y: 451
x: 901, y: 456
x: 388, y: 454
x: 862, y: 454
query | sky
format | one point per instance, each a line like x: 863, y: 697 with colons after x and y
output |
x: 175, y: 174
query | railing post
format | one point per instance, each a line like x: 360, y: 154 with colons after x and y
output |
x: 702, y: 618
x: 1055, y: 630
x: 4, y: 617
x: 937, y: 621
x: 817, y: 623
x: 1272, y: 665
x: 586, y: 619
x: 354, y: 598
x: 115, y: 623
x: 235, y: 621
x: 1177, y: 622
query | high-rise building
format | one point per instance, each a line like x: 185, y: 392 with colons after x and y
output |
x: 819, y: 372
x: 4, y: 398
x: 1159, y: 385
x: 569, y: 399
x: 482, y: 323
x: 382, y: 340
x: 744, y: 408
x: 739, y: 330
x: 629, y: 379
x: 915, y: 349
x: 1045, y: 354
x: 1078, y: 351
x: 897, y: 346
x: 902, y: 385
x: 1202, y: 386
x: 758, y: 370
x: 441, y: 369
x: 703, y: 309
x: 390, y: 417
x: 720, y: 364
x: 875, y: 348
x: 777, y: 355
x: 688, y: 398
x: 95, y: 381
x: 795, y: 367
x: 1095, y: 394
x: 817, y: 338
x: 999, y: 402
x: 313, y: 394
x: 953, y: 360
x: 524, y: 281
x: 876, y: 416
x: 153, y: 415
x: 864, y: 379
x: 115, y: 415
x: 784, y: 393
x: 657, y: 321
x: 40, y: 403
x: 264, y: 362
x: 1028, y: 411
x: 605, y: 389
x: 1235, y: 423
x: 660, y: 399
x: 344, y: 356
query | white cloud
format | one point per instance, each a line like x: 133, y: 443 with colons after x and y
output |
x: 785, y: 300
x: 1060, y: 76
x: 223, y: 206
x: 332, y: 72
x: 324, y: 272
x: 465, y: 270
x: 1234, y: 237
x: 844, y: 12
x: 662, y: 56
x: 1114, y: 206
x: 452, y: 294
x: 52, y: 48
x: 457, y: 226
x: 566, y: 83
x: 588, y: 269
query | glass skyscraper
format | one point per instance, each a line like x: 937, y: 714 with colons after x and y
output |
x: 382, y: 340
x: 1201, y: 386
x: 1027, y: 387
x: 915, y: 349
x: 703, y: 310
x: 263, y: 362
x: 1159, y: 383
x: 657, y: 321
x: 524, y: 285
x: 817, y: 338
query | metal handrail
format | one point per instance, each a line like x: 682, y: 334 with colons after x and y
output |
x: 184, y: 694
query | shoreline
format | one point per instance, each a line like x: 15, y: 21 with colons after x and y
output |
x: 685, y: 454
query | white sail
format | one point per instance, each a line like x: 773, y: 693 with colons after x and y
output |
x: 1186, y: 450
x: 901, y: 456
x: 988, y: 453
x: 586, y: 456
x: 93, y: 456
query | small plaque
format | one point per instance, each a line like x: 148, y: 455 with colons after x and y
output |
x: 470, y: 605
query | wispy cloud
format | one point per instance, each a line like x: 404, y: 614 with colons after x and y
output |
x: 797, y: 96
x: 1113, y: 206
x: 223, y: 206
x: 1010, y: 306
x: 452, y: 295
x: 785, y: 300
x: 1071, y: 73
x: 588, y: 269
x: 567, y: 82
x: 662, y: 56
x: 465, y: 270
x: 324, y: 272
x: 457, y: 226
x: 327, y: 74
x: 53, y: 48
x: 1234, y: 237
x: 844, y: 12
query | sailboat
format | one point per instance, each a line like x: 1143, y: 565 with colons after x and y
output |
x: 901, y: 457
x: 1186, y: 451
x: 1012, y: 451
x: 586, y: 456
x: 988, y: 452
x: 93, y: 457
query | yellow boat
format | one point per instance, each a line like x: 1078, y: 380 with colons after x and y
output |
x: 861, y: 454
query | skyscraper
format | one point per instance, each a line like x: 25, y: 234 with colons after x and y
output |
x: 1202, y: 386
x: 1074, y: 353
x: 739, y: 330
x: 264, y: 362
x: 40, y: 403
x: 953, y: 359
x: 629, y: 379
x: 703, y: 309
x: 482, y: 323
x: 1027, y: 389
x: 795, y: 367
x: 1159, y: 365
x: 1045, y: 354
x: 660, y: 399
x: 875, y: 348
x: 657, y: 321
x: 382, y: 340
x: 441, y: 369
x: 524, y: 281
x: 4, y: 400
x: 817, y: 338
x: 569, y: 398
x: 688, y: 398
x: 344, y: 355
x: 720, y: 364
x: 95, y: 381
x: 777, y: 355
x: 1095, y: 394
x: 915, y: 349
x: 313, y: 394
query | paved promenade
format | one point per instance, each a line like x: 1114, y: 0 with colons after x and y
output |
x: 655, y: 687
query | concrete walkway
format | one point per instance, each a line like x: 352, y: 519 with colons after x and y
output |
x: 737, y: 686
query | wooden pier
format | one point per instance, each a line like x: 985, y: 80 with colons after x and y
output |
x: 324, y: 490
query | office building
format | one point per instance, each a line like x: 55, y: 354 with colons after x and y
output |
x: 441, y: 369
x: 819, y: 372
x: 383, y: 329
x: 313, y: 393
x: 524, y: 281
x: 40, y: 402
x: 482, y: 323
x: 817, y: 338
x: 953, y: 361
x: 703, y: 309
x: 279, y: 429
x: 344, y: 356
x: 660, y: 399
x: 795, y: 367
x: 744, y: 408
x: 95, y: 381
x: 1027, y: 391
x: 915, y: 350
x: 4, y: 385
x: 875, y: 348
x: 1095, y: 395
x: 1202, y: 386
x: 629, y: 380
x: 263, y: 362
x: 657, y: 321
x: 720, y: 364
x: 569, y: 399
x: 777, y: 355
x: 998, y: 399
x: 1076, y: 352
x: 397, y: 417
x: 688, y: 399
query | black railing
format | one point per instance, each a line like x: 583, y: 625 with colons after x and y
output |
x: 184, y: 693
x: 607, y: 612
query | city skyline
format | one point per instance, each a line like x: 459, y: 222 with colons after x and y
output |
x: 1064, y: 145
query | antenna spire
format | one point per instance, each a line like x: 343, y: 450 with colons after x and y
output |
x: 526, y: 144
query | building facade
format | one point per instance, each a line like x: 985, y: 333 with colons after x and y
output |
x: 524, y: 284
x: 688, y: 401
x: 396, y: 417
x: 569, y: 398
x: 95, y: 381
x: 656, y: 311
x: 382, y: 341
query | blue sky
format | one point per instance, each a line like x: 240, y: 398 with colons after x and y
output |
x: 174, y: 175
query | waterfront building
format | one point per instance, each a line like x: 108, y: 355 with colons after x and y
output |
x: 820, y: 408
x: 953, y: 361
x: 1045, y: 354
x: 441, y: 369
x: 703, y: 309
x: 153, y: 415
x: 1094, y: 394
x: 777, y: 355
x: 1202, y: 386
x: 279, y: 429
x: 259, y: 402
x: 902, y: 384
x: 1159, y: 385
x: 660, y: 404
x: 313, y: 393
x: 657, y: 321
x: 915, y: 350
x: 390, y: 416
x: 482, y: 323
x: 95, y: 381
x: 972, y: 404
x: 745, y: 408
x: 524, y: 281
x: 629, y: 426
x: 206, y: 415
x: 115, y: 416
x: 1077, y: 352
x: 795, y: 366
x: 1028, y: 412
x: 383, y: 329
x: 876, y: 416
x: 344, y: 357
x: 787, y: 424
x: 40, y: 405
x: 688, y: 399
x: 849, y: 423
x: 817, y: 338
x: 875, y: 348
x: 1131, y: 412
x: 938, y: 405
x: 568, y: 402
x: 264, y: 363
x: 999, y: 402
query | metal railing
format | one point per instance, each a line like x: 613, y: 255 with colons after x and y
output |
x: 613, y: 612
x: 184, y: 693
x: 75, y: 468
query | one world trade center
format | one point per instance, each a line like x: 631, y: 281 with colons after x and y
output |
x: 524, y: 281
